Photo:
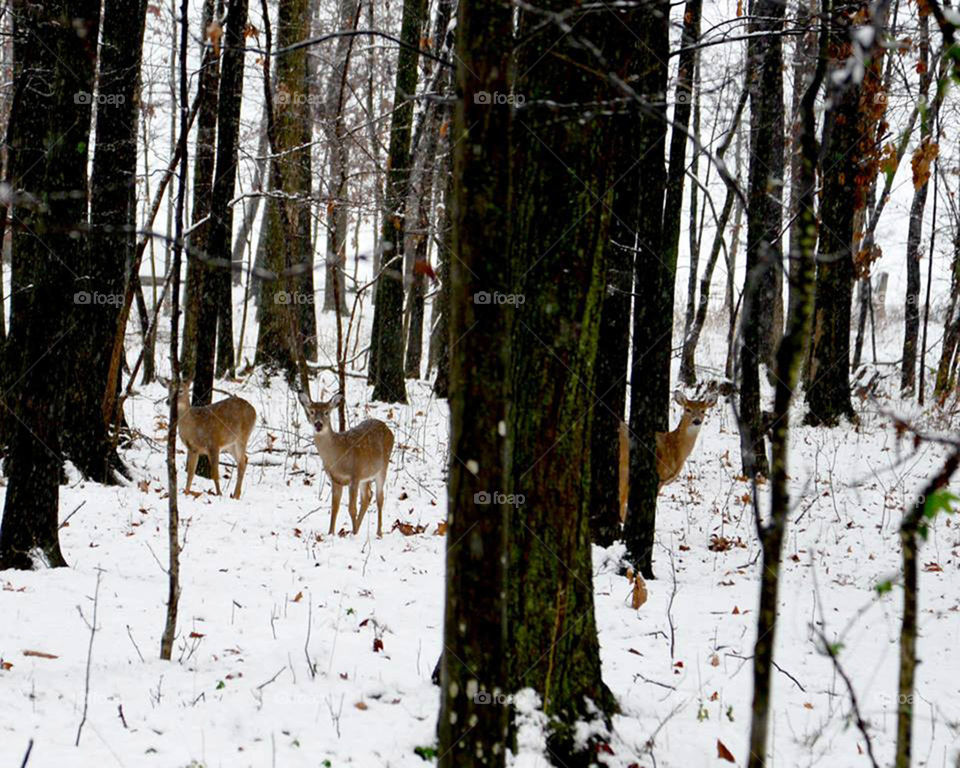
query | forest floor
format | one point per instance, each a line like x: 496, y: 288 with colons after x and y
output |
x: 300, y: 648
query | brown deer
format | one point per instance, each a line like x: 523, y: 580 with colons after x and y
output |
x: 209, y: 429
x: 355, y: 457
x: 673, y: 448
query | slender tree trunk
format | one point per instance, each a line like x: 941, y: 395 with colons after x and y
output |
x: 764, y: 216
x: 203, y: 167
x: 55, y: 46
x: 442, y: 342
x: 790, y: 355
x: 653, y: 290
x: 911, y: 306
x: 386, y: 353
x: 689, y: 314
x: 215, y: 281
x: 473, y: 713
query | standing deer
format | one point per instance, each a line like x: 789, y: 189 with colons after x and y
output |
x: 209, y: 429
x: 672, y: 447
x: 354, y: 457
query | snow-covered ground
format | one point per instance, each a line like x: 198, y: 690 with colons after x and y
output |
x: 299, y: 648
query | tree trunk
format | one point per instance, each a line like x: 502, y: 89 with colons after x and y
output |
x: 790, y: 356
x: 764, y: 216
x: 911, y: 306
x: 386, y: 353
x: 55, y: 47
x: 288, y: 210
x: 337, y: 151
x: 203, y: 168
x: 828, y: 390
x: 441, y: 342
x: 473, y: 723
x: 109, y: 250
x: 215, y: 281
x: 653, y: 290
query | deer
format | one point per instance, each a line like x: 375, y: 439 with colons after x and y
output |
x: 209, y: 429
x: 673, y: 448
x: 355, y: 458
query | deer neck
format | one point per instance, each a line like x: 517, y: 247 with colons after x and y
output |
x: 685, y: 435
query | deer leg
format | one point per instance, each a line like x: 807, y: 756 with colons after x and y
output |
x: 353, y: 507
x: 215, y: 469
x: 240, y: 456
x: 381, y: 479
x: 365, y: 495
x: 192, y: 458
x: 337, y: 490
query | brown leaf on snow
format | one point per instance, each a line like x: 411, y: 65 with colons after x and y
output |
x: 714, y: 661
x: 144, y: 486
x: 639, y: 596
x: 361, y: 705
x: 197, y: 635
x: 407, y: 529
x: 723, y: 753
x: 932, y: 567
x: 714, y: 696
x: 377, y: 645
x: 807, y: 705
x: 441, y: 528
x: 40, y: 655
x: 5, y: 665
x: 298, y: 597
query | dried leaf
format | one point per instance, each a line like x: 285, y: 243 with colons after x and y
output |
x: 361, y: 705
x: 441, y: 528
x: 298, y: 597
x: 40, y: 654
x: 377, y: 645
x: 723, y: 753
x: 407, y: 529
x: 639, y: 596
x: 714, y: 660
x: 932, y: 567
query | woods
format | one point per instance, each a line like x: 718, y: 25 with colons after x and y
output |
x: 638, y: 322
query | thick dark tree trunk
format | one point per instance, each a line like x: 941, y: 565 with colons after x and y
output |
x: 571, y: 166
x: 55, y: 46
x: 215, y: 280
x: 288, y: 217
x: 764, y: 217
x: 110, y: 248
x: 203, y: 166
x: 828, y: 389
x: 386, y: 352
x: 473, y: 723
x: 653, y: 290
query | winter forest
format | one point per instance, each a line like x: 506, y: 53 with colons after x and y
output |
x: 626, y: 332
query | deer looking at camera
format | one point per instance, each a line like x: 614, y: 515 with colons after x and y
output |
x: 209, y: 429
x: 673, y: 448
x: 355, y: 457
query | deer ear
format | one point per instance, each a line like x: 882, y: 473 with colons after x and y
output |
x: 711, y: 399
x: 305, y: 401
x: 678, y: 397
x: 336, y: 400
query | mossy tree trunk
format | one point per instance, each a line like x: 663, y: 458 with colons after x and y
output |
x: 288, y: 219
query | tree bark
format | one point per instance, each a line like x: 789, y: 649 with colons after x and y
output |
x: 203, y: 167
x: 287, y: 215
x: 386, y: 353
x: 473, y: 723
x: 215, y: 281
x: 764, y: 217
x: 55, y: 46
x: 653, y: 291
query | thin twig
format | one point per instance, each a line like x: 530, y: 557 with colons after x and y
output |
x: 86, y: 685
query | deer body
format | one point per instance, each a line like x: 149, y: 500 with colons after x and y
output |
x: 207, y: 430
x: 673, y: 448
x: 355, y: 458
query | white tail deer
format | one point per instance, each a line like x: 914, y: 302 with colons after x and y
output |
x: 207, y: 430
x: 673, y: 448
x: 355, y: 457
